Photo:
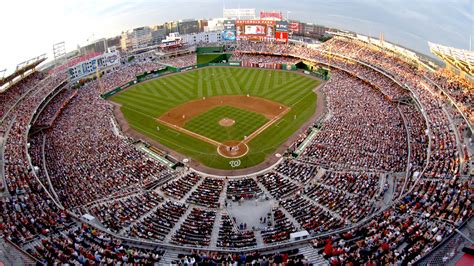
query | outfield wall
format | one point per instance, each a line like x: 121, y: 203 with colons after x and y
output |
x: 209, y: 50
x: 212, y: 58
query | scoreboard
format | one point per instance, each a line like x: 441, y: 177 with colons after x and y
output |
x: 91, y: 66
x: 262, y: 30
x: 255, y: 29
x: 229, y: 33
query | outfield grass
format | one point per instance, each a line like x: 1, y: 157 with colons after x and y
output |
x: 143, y: 103
x: 207, y: 124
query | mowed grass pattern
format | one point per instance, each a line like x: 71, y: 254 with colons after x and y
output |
x: 207, y: 124
x: 143, y: 103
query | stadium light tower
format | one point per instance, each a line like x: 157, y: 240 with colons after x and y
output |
x: 470, y: 42
x: 98, y: 75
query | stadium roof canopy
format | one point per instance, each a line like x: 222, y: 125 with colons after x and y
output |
x: 23, y: 68
x: 459, y: 58
x: 381, y: 43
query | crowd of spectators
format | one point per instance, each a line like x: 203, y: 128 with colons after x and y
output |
x: 350, y: 207
x: 245, y: 188
x: 360, y: 134
x: 297, y: 171
x: 459, y: 89
x: 86, y: 160
x: 29, y: 211
x: 310, y: 216
x: 92, y: 169
x: 403, y: 234
x: 277, y: 185
x: 288, y: 257
x: 119, y: 213
x: 49, y: 114
x: 364, y: 184
x: 180, y: 61
x: 232, y: 237
x: 445, y: 158
x: 179, y: 187
x: 87, y: 246
x: 208, y: 193
x: 157, y: 225
x: 196, y: 230
x: 263, y: 59
x: 9, y: 97
x: 279, y: 227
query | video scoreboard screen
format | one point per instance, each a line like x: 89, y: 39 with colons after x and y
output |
x: 255, y: 29
x: 229, y: 33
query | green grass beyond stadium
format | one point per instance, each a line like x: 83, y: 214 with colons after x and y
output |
x: 143, y: 103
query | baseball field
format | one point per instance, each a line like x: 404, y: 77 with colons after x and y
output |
x: 222, y: 117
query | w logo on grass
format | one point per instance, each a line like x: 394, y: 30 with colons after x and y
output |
x: 235, y: 163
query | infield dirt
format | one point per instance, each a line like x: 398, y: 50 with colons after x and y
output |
x: 181, y: 114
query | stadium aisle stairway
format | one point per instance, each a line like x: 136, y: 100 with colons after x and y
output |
x: 292, y: 219
x: 169, y: 257
x: 172, y: 232
x: 325, y: 208
x: 194, y: 188
x: 215, y: 229
x: 312, y: 255
x: 9, y: 255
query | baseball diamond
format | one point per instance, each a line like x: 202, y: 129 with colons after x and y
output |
x: 265, y: 107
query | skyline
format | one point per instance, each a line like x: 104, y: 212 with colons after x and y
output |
x: 407, y: 23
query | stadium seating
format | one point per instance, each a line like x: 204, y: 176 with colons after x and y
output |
x: 374, y: 130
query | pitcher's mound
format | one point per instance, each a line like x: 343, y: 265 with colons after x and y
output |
x: 226, y: 122
x: 232, y: 149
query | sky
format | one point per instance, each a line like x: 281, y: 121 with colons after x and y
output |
x: 30, y: 28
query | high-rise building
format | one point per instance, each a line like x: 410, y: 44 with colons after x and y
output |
x: 215, y: 24
x: 142, y: 37
x: 98, y: 46
x: 170, y: 27
x: 201, y: 37
x: 202, y: 24
x: 188, y: 26
x: 114, y: 41
x: 136, y: 38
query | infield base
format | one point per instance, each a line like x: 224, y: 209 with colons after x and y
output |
x: 232, y: 149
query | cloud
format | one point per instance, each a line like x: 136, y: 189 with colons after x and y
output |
x: 33, y: 26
